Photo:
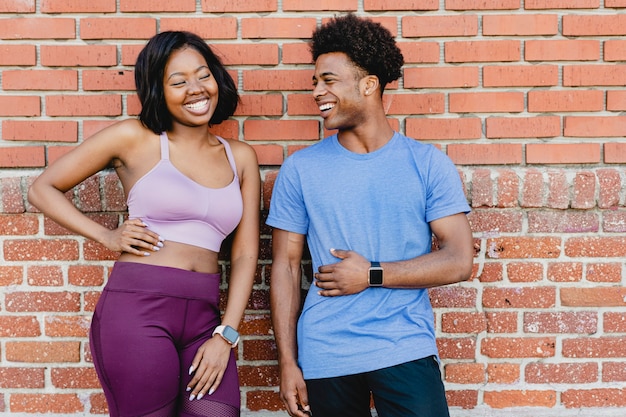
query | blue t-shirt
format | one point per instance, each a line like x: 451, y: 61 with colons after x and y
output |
x: 378, y: 204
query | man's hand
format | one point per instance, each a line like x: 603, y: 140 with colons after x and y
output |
x: 348, y: 276
x: 293, y: 391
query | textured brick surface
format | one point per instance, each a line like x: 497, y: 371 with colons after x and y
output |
x: 525, y: 97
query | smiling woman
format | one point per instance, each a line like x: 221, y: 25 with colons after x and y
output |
x: 157, y: 325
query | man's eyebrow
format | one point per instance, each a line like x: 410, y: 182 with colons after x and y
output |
x: 324, y: 74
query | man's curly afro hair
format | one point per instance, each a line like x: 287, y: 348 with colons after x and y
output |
x: 368, y: 44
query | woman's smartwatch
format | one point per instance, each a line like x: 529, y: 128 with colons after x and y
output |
x: 228, y: 333
x: 375, y: 275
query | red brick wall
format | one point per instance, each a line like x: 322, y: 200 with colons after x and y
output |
x: 526, y: 97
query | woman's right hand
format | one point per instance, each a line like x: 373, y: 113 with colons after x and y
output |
x: 133, y: 237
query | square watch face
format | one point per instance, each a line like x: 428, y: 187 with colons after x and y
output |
x: 230, y: 334
x: 376, y: 276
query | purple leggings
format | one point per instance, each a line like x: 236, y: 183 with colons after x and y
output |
x: 146, y: 329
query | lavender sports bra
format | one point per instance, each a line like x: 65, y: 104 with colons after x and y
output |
x: 181, y: 210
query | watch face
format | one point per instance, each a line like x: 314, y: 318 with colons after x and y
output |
x: 376, y: 276
x: 230, y: 334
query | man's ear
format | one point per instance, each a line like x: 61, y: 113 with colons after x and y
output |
x: 371, y: 84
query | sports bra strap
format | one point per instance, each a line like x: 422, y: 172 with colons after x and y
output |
x: 229, y: 155
x: 165, y: 147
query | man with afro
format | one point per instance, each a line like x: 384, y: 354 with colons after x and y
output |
x: 367, y: 201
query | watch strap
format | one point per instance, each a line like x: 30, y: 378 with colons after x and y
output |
x: 221, y: 329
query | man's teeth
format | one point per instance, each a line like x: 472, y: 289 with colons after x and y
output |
x: 325, y: 107
x: 197, y: 105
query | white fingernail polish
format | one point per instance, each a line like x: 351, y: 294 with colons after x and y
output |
x: 156, y: 248
x: 146, y: 254
x: 211, y: 391
x: 200, y: 396
x: 188, y: 389
x: 192, y: 397
x: 160, y: 244
x: 191, y: 370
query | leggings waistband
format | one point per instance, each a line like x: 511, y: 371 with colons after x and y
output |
x: 146, y: 278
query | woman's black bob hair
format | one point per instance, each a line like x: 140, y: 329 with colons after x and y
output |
x: 149, y: 72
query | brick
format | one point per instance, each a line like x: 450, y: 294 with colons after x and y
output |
x: 558, y: 190
x: 261, y: 105
x: 614, y: 222
x: 515, y: 298
x: 44, y: 276
x: 262, y: 80
x: 320, y: 5
x: 466, y: 323
x: 40, y: 80
x: 35, y: 301
x: 84, y: 105
x: 42, y: 352
x: 615, y: 3
x: 250, y: 53
x: 17, y: 6
x: 11, y: 275
x: 520, y: 398
x: 523, y: 127
x: 565, y: 101
x: 599, y: 347
x: 66, y: 404
x: 260, y: 350
x: 452, y: 297
x: 475, y: 154
x: 117, y: 28
x: 504, y: 347
x: 595, y: 126
x: 296, y: 53
x: 482, y: 4
x: 584, y: 190
x: 206, y: 28
x: 482, y: 51
x: 466, y: 399
x: 561, y: 50
x: 67, y: 326
x: 593, y: 297
x: 420, y: 52
x: 11, y: 196
x: 277, y: 27
x: 133, y: 6
x: 533, y: 187
x: 456, y: 348
x: 413, y: 104
x: 520, y: 76
x: 558, y: 221
x: 38, y: 28
x: 25, y: 106
x: 18, y: 55
x: 503, y: 373
x: 22, y: 156
x: 86, y: 275
x: 499, y: 220
x: 107, y: 80
x: 554, y: 153
x: 257, y: 400
x: 40, y: 130
x: 614, y: 50
x: 584, y: 322
x: 524, y: 271
x: 592, y: 75
x: 40, y: 249
x: 615, y: 153
x: 21, y: 377
x: 439, y: 26
x: 561, y: 373
x: 486, y: 102
x: 269, y: 154
x: 78, y: 55
x: 614, y: 322
x: 597, y: 398
x: 74, y: 378
x: 448, y: 128
x: 613, y: 372
x: 524, y: 247
x: 604, y: 272
x: 594, y: 25
x: 78, y: 6
x: 18, y: 326
x: 222, y: 6
x: 384, y: 5
x: 561, y: 4
x: 465, y: 373
x: 301, y: 105
x: 441, y: 77
x: 93, y: 251
x: 502, y: 322
x: 281, y: 129
x: 482, y: 192
x: 520, y: 25
x: 508, y: 189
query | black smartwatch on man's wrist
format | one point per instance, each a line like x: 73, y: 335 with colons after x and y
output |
x: 375, y: 275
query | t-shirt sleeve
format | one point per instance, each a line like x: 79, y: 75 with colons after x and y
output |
x: 445, y: 194
x: 287, y: 209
